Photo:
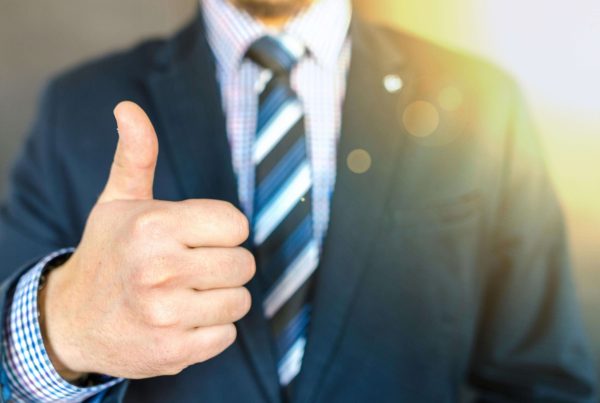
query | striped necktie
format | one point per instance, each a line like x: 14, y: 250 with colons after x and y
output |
x: 286, y: 250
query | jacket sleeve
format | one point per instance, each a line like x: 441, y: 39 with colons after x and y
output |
x: 531, y: 341
x: 36, y: 217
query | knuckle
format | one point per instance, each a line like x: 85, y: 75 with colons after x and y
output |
x: 246, y: 302
x: 240, y: 304
x: 248, y: 264
x: 229, y: 335
x: 150, y: 265
x: 152, y: 275
x: 234, y: 220
x: 159, y: 314
x: 216, y: 343
x: 236, y: 265
x: 148, y: 224
x: 243, y: 226
x: 139, y: 277
x: 240, y: 226
x: 224, y: 259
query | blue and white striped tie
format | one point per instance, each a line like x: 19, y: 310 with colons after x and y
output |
x: 287, y: 252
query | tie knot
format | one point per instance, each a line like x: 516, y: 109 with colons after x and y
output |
x: 278, y: 54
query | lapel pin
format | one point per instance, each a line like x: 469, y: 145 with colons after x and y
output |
x: 393, y: 83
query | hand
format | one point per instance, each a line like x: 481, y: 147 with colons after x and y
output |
x: 154, y: 286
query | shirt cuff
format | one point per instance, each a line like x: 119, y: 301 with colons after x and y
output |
x: 28, y: 373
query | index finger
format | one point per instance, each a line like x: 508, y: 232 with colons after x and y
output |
x: 204, y: 222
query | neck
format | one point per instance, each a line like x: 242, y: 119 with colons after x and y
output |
x: 274, y: 23
x: 274, y: 14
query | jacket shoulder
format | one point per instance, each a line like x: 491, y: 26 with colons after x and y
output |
x: 443, y: 61
x: 468, y: 90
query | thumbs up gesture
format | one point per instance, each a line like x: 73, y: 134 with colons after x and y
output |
x: 154, y: 286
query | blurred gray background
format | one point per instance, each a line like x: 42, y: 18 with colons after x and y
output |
x: 41, y: 38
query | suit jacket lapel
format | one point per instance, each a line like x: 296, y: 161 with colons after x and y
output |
x: 192, y: 125
x: 370, y: 126
x: 192, y: 132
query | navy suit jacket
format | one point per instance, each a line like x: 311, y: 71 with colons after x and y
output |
x: 444, y: 271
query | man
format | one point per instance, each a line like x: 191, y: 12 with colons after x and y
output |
x: 408, y: 244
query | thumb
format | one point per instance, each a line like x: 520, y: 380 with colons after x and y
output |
x: 132, y: 172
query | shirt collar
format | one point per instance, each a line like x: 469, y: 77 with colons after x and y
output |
x: 322, y: 28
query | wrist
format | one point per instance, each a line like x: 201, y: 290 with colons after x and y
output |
x: 52, y: 287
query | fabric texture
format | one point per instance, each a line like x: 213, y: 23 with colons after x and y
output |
x: 444, y: 268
